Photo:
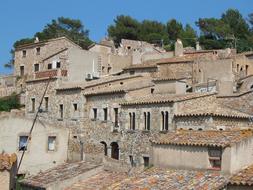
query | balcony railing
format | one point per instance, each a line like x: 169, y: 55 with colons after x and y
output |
x: 51, y: 73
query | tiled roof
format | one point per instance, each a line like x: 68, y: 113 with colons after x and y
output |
x: 145, y: 83
x: 88, y: 84
x: 164, y: 98
x: 183, y: 59
x: 7, y: 161
x: 169, y: 78
x: 204, y: 138
x: 141, y: 66
x: 212, y: 109
x: 244, y: 177
x: 59, y: 173
x: 157, y: 178
x: 154, y: 179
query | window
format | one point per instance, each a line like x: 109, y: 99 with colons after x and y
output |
x: 22, y: 70
x: 75, y: 107
x: 61, y: 111
x: 23, y: 141
x: 105, y: 114
x: 132, y: 120
x: 131, y: 159
x: 109, y: 69
x: 38, y: 51
x: 152, y: 90
x: 165, y: 120
x: 215, y: 158
x: 49, y: 66
x: 51, y: 143
x: 147, y: 121
x: 146, y: 161
x: 36, y: 67
x: 33, y: 105
x: 246, y: 70
x: 116, y: 117
x: 58, y: 64
x: 24, y: 53
x: 237, y: 67
x: 46, y: 103
x: 94, y: 113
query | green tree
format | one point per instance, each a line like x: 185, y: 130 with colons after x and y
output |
x: 153, y: 32
x: 188, y: 36
x: 124, y: 27
x: 174, y: 28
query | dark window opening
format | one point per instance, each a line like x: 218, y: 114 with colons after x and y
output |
x: 22, y: 70
x: 23, y: 141
x: 75, y: 107
x: 146, y: 161
x: 94, y: 113
x: 131, y: 159
x: 105, y: 114
x: 38, y: 51
x: 58, y: 64
x: 116, y: 115
x: 33, y: 104
x: 165, y: 121
x: 132, y: 120
x: 246, y: 70
x: 36, y: 67
x: 46, y: 103
x: 114, y: 150
x: 51, y: 143
x: 49, y: 66
x: 61, y: 111
x: 147, y: 121
x: 215, y: 155
x: 24, y: 53
x: 105, y: 147
x: 152, y: 90
x: 132, y: 72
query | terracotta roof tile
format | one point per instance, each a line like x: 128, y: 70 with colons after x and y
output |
x: 204, y: 138
x: 7, y: 161
x: 244, y: 177
x: 154, y: 178
x: 59, y: 173
x: 164, y: 98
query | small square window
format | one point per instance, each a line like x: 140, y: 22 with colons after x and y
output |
x: 49, y: 66
x: 36, y: 67
x: 23, y: 141
x: 38, y: 51
x: 51, y: 143
x: 58, y: 64
x: 24, y: 53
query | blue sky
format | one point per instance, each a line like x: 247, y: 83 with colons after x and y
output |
x: 20, y: 19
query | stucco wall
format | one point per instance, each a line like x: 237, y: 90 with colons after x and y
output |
x: 4, y: 180
x: 82, y: 62
x: 37, y: 157
x: 187, y: 157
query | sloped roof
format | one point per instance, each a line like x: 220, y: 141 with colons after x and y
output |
x: 204, y: 138
x: 154, y: 178
x: 57, y: 174
x: 164, y: 98
x: 7, y: 161
x: 243, y: 177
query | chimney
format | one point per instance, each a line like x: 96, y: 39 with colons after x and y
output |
x: 198, y: 47
x: 36, y: 40
x: 179, y: 48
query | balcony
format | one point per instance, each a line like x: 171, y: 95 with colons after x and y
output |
x: 51, y: 73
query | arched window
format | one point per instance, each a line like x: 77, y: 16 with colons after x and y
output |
x: 105, y: 147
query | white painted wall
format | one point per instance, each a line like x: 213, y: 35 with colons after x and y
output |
x: 37, y: 157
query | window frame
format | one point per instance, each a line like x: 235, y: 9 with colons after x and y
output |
x: 54, y: 137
